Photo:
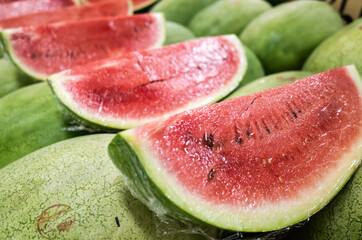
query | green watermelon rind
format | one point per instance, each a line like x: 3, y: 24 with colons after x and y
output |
x: 118, y: 123
x: 136, y: 159
x: 6, y: 35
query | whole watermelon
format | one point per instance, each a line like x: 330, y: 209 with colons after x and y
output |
x: 71, y: 190
x: 285, y: 35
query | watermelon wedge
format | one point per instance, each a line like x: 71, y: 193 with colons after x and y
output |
x: 137, y: 4
x: 144, y: 86
x: 255, y: 163
x: 24, y: 7
x: 43, y: 50
x: 119, y: 8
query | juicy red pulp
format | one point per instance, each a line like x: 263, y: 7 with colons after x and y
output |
x: 48, y: 49
x: 267, y: 146
x: 154, y: 82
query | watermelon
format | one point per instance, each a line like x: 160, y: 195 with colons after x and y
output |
x: 255, y: 163
x: 71, y: 190
x: 270, y: 81
x: 43, y: 50
x: 24, y: 7
x: 341, y: 218
x: 11, y: 78
x: 226, y: 17
x: 137, y: 4
x: 284, y: 36
x: 176, y: 33
x: 254, y: 70
x: 31, y: 120
x: 143, y: 86
x: 140, y: 4
x: 7, y: 1
x: 181, y: 11
x: 121, y: 8
x: 343, y: 48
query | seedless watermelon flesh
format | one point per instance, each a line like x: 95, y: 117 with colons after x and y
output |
x: 43, y: 50
x: 255, y: 163
x: 119, y: 8
x: 143, y: 86
x: 23, y: 7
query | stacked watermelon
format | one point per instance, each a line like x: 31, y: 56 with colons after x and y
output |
x: 210, y: 145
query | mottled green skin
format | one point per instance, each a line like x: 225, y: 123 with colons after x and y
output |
x: 341, y: 218
x: 29, y: 120
x: 341, y: 49
x: 176, y: 33
x: 270, y: 81
x: 79, y: 175
x: 226, y: 17
x: 181, y: 11
x: 11, y: 78
x: 284, y: 36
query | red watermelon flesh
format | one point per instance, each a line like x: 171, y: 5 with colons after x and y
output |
x: 24, y: 7
x: 143, y: 86
x: 259, y: 162
x: 7, y: 1
x: 43, y: 50
x: 119, y: 8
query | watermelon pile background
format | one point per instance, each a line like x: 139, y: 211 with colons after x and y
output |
x: 285, y: 42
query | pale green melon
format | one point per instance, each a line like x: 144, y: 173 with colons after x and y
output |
x: 71, y: 190
x: 226, y: 17
x: 341, y: 49
x: 181, y: 11
x: 270, y: 81
x: 284, y: 36
x: 176, y: 33
x: 11, y: 78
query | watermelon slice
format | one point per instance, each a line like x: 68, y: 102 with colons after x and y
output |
x: 119, y: 8
x: 255, y: 163
x: 137, y: 4
x: 24, y: 7
x: 43, y: 50
x: 144, y: 86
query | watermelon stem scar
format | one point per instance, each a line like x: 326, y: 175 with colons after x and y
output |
x: 255, y: 163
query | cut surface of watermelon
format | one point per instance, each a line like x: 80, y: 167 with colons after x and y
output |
x: 24, y: 7
x: 255, y: 163
x: 43, y: 50
x: 73, y: 13
x: 144, y: 86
